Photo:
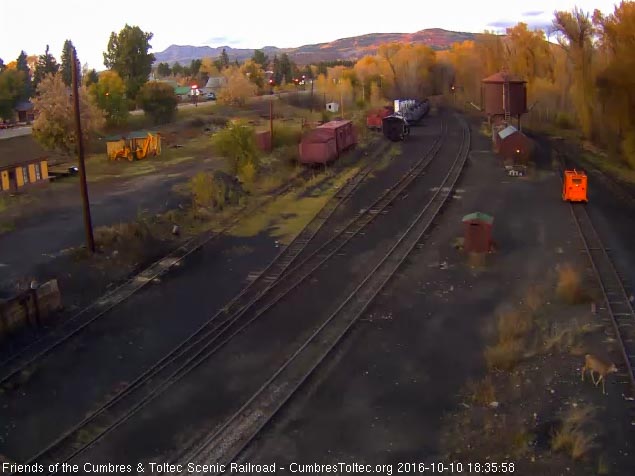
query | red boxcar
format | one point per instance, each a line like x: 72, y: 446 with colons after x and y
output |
x: 375, y: 118
x: 318, y: 146
x: 326, y: 142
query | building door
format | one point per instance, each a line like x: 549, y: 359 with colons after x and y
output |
x: 13, y: 183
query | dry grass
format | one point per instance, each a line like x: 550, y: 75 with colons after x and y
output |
x: 565, y: 338
x: 534, y: 298
x: 504, y: 355
x: 575, y: 436
x: 121, y: 234
x: 512, y: 325
x: 569, y: 286
x: 482, y: 392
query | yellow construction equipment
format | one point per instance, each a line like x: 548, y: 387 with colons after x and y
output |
x: 136, y: 145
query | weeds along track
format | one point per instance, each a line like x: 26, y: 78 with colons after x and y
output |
x: 42, y: 347
x: 245, y: 424
x: 617, y: 305
x: 262, y: 294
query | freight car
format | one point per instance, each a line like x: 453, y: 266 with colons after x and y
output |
x: 375, y: 117
x: 325, y: 143
x: 395, y: 127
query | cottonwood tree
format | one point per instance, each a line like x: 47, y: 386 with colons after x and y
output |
x: 128, y: 55
x: 109, y: 93
x: 575, y: 34
x: 54, y: 125
x: 616, y: 78
x: 254, y: 72
x: 237, y: 89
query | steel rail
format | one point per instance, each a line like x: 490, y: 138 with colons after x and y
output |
x: 247, y: 296
x: 245, y: 424
x: 66, y: 447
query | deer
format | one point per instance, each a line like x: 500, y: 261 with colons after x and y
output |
x: 594, y: 364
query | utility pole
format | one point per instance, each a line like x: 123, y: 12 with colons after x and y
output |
x: 88, y: 225
x: 271, y: 124
x: 311, y: 94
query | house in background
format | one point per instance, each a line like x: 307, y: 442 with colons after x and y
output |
x: 24, y: 110
x: 214, y: 84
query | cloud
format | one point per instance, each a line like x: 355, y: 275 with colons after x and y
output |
x: 534, y: 13
x: 531, y: 25
x: 502, y: 24
x: 222, y: 41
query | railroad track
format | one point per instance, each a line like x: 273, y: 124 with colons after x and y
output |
x: 245, y: 424
x: 40, y: 348
x: 621, y: 190
x: 44, y: 345
x: 618, y: 305
x: 268, y: 288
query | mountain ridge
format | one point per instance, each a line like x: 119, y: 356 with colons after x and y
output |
x: 350, y: 48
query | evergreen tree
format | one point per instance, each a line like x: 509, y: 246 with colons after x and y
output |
x: 46, y: 64
x: 260, y: 58
x: 27, y: 89
x: 90, y: 76
x: 65, y: 67
x: 2, y: 66
x: 164, y: 70
x: 224, y: 59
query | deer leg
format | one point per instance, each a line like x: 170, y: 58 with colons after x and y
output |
x: 583, y: 371
x: 593, y: 377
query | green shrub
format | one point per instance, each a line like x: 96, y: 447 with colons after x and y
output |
x: 158, y: 101
x: 237, y: 143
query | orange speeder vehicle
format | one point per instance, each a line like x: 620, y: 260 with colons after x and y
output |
x: 574, y: 186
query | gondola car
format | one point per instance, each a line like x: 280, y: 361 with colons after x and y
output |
x: 395, y: 127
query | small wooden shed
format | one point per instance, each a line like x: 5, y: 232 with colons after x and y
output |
x: 513, y: 145
x: 477, y: 232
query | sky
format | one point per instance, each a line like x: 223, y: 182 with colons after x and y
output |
x: 31, y: 25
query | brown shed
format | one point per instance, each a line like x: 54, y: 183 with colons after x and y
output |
x: 478, y: 232
x: 502, y: 92
x: 513, y: 145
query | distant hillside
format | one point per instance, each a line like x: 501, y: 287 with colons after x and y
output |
x: 345, y: 48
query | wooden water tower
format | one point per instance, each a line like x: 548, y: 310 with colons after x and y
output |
x: 504, y: 96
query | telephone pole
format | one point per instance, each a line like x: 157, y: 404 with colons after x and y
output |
x: 271, y: 124
x: 88, y: 225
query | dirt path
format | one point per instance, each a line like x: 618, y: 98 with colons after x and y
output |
x: 57, y: 224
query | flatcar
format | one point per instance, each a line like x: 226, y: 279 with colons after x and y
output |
x: 395, y: 127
